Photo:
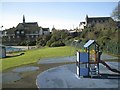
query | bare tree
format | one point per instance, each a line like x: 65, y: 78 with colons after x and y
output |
x: 116, y: 12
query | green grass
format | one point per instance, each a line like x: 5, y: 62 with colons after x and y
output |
x: 33, y: 56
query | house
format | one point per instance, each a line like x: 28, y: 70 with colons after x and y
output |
x: 25, y: 31
x: 82, y: 25
x: 45, y: 31
x: 2, y: 51
x: 91, y: 21
x: 72, y: 31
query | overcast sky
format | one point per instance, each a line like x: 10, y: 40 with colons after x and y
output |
x: 63, y: 15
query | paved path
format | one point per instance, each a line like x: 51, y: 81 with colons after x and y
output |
x: 65, y: 77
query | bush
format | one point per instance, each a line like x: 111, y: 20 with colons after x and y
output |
x: 49, y: 43
x: 25, y: 43
x: 42, y: 40
x: 68, y: 38
x: 32, y: 43
x: 57, y: 44
x: 112, y: 47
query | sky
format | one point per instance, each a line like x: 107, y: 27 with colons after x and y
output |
x: 63, y: 15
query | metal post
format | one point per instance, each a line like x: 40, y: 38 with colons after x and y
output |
x: 79, y: 64
x: 98, y: 59
x: 1, y: 29
x: 88, y: 61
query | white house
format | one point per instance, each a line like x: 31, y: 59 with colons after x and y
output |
x: 82, y: 25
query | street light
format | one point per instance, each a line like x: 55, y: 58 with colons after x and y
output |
x: 1, y: 27
x: 1, y: 31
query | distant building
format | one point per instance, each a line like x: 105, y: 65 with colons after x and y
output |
x: 45, y: 31
x: 82, y: 25
x: 25, y: 30
x: 72, y: 31
x: 91, y: 21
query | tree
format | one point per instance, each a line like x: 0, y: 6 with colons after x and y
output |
x: 116, y: 12
x: 27, y: 42
x: 42, y: 40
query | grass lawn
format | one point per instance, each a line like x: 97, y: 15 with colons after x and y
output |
x: 33, y: 56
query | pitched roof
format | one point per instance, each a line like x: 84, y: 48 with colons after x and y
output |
x: 20, y: 26
x: 28, y: 27
x: 90, y: 42
x: 97, y: 19
x: 10, y: 31
x: 29, y: 24
x: 45, y: 29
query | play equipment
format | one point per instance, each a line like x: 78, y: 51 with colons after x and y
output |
x: 88, y: 62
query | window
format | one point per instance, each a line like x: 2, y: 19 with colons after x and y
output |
x: 18, y: 37
x: 97, y: 21
x: 9, y: 37
x: 36, y: 36
x: 17, y: 32
x: 32, y: 36
x: 5, y: 33
x: 22, y: 32
x: 101, y: 21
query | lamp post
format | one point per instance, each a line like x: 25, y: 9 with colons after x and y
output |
x: 1, y: 27
x: 1, y: 31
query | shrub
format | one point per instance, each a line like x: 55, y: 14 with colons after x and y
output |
x: 57, y: 44
x: 49, y: 42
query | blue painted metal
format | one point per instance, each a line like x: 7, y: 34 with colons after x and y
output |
x: 89, y: 43
x: 84, y: 57
x: 83, y: 71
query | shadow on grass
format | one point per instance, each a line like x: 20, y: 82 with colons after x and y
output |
x: 15, y: 55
